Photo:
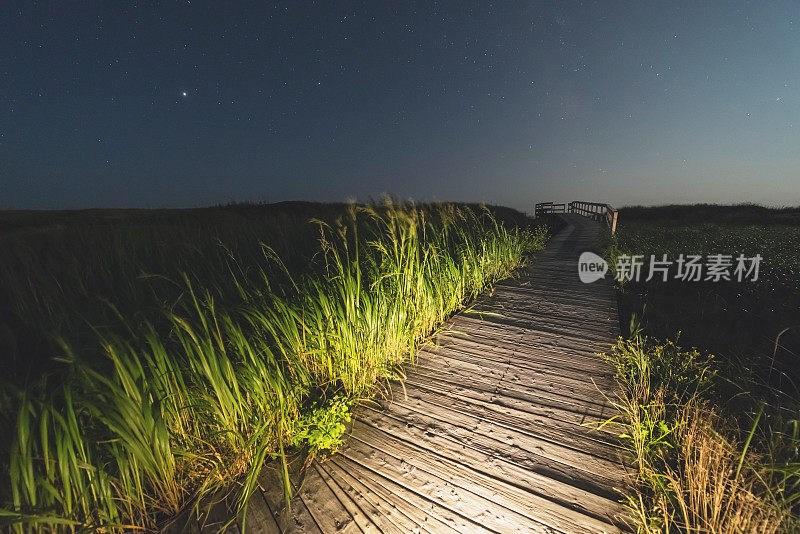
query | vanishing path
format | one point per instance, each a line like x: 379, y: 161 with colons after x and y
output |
x: 491, y: 432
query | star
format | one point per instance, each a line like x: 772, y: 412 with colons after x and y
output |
x: 184, y: 94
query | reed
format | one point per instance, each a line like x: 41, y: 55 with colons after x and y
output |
x: 194, y: 380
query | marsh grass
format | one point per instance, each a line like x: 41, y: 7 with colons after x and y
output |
x: 696, y: 471
x: 715, y: 437
x: 183, y: 385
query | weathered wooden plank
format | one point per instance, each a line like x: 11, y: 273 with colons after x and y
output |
x: 508, y: 319
x: 533, y: 360
x: 258, y: 518
x: 587, y: 362
x: 531, y: 320
x: 550, y: 290
x: 566, y: 417
x: 553, y: 459
x: 475, y: 511
x: 329, y: 511
x: 518, y: 387
x: 588, y: 409
x: 385, y: 513
x: 517, y: 305
x: 533, y: 340
x: 409, y: 509
x: 553, y: 296
x: 598, y: 442
x: 521, y: 375
x: 424, y: 509
x: 506, y: 376
x: 295, y: 519
x: 566, y: 336
x: 362, y: 519
x: 481, y: 478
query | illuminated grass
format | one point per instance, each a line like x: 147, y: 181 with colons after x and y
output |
x: 148, y: 413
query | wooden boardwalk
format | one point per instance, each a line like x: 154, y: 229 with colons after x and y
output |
x: 489, y: 432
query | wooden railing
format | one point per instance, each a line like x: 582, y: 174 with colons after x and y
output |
x: 549, y: 207
x: 594, y: 210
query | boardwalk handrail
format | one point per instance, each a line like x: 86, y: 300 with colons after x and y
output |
x: 594, y: 210
x: 549, y: 207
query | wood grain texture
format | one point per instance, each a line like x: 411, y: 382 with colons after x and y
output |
x: 492, y: 431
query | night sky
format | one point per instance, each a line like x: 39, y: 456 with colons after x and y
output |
x: 114, y: 104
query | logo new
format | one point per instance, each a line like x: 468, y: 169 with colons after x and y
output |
x: 591, y: 267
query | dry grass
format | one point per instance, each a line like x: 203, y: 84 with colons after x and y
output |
x: 706, y: 492
x: 693, y: 475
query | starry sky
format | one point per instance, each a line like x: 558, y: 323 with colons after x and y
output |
x: 151, y: 104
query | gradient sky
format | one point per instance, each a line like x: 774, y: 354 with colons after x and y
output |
x: 113, y: 104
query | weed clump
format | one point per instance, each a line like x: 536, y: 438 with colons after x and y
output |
x: 695, y: 471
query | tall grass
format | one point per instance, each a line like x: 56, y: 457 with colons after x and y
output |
x: 696, y: 471
x: 149, y: 412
